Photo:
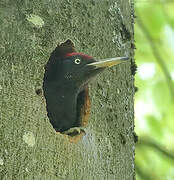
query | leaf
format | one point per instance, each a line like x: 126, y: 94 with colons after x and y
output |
x: 155, y: 126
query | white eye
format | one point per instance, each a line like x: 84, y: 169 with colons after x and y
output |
x: 77, y: 61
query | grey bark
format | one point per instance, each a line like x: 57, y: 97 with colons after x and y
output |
x: 29, y: 146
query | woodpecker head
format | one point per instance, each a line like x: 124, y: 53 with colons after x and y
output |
x: 75, y: 69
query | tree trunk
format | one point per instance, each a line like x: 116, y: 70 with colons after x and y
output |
x: 30, y: 148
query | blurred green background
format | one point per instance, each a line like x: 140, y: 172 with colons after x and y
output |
x: 154, y: 101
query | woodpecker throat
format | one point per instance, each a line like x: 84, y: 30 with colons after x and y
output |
x: 65, y: 85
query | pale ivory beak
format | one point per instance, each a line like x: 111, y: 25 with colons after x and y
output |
x: 109, y: 62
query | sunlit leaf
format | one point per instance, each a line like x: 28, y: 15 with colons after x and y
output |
x: 156, y: 110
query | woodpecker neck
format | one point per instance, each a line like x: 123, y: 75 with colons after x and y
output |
x: 61, y: 105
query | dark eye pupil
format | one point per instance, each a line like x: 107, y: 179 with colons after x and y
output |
x: 77, y: 61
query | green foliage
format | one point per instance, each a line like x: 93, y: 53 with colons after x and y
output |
x: 154, y: 118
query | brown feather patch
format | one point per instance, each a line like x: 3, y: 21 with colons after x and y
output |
x: 85, y: 110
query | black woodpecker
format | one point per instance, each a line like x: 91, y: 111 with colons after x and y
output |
x: 65, y: 86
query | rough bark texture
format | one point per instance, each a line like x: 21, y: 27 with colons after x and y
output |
x: 29, y: 146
